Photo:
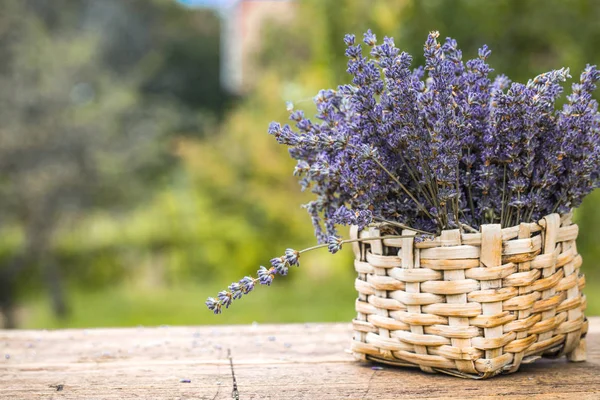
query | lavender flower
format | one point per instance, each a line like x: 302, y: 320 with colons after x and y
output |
x: 442, y: 146
x: 579, y: 121
x: 246, y: 284
x: 265, y: 276
x: 280, y: 265
x: 236, y: 290
x: 335, y: 244
x: 439, y: 146
x: 344, y: 216
x: 292, y: 256
x: 349, y: 39
x: 214, y: 305
x: 225, y: 298
x: 370, y: 38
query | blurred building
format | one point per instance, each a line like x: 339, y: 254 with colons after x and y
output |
x: 242, y: 21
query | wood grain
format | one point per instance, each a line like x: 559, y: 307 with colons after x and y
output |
x: 296, y: 361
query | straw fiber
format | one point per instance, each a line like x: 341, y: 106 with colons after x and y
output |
x: 472, y: 305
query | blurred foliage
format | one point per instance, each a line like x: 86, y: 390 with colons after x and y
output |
x: 190, y: 192
x: 92, y: 95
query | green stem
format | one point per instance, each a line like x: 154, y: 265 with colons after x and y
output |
x: 468, y: 228
x: 502, y: 203
x: 469, y: 192
x: 457, y: 199
x: 509, y: 214
x: 402, y: 226
x: 413, y: 175
x: 519, y: 208
x: 472, y: 206
x: 402, y: 186
x: 319, y: 246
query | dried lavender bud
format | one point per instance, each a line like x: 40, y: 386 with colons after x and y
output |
x: 236, y: 290
x: 280, y: 265
x: 225, y: 298
x: 246, y: 284
x: 349, y: 40
x: 265, y: 276
x: 335, y: 244
x: 214, y: 305
x: 370, y: 38
x: 292, y: 256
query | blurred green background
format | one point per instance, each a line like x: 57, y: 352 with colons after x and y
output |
x: 136, y: 174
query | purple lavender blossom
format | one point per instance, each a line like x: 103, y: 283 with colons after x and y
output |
x: 225, y: 298
x: 440, y: 146
x: 291, y: 257
x: 265, y: 276
x: 344, y: 216
x: 236, y: 290
x: 246, y: 284
x: 335, y: 244
x: 214, y: 305
x: 435, y: 147
x: 579, y: 121
x: 280, y: 265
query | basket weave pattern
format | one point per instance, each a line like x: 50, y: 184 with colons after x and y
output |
x: 471, y: 304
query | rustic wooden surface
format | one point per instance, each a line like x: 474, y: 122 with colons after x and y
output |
x: 298, y: 361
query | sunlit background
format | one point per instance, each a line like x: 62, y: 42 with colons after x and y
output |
x: 136, y: 174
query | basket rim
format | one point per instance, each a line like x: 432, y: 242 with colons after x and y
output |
x: 474, y: 238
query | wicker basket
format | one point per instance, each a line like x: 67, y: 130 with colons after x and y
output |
x: 471, y: 305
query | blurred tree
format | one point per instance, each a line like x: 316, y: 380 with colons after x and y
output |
x: 526, y: 37
x: 89, y: 94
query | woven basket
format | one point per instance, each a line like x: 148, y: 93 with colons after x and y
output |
x: 472, y: 305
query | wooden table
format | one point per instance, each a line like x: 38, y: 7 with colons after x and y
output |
x: 309, y: 361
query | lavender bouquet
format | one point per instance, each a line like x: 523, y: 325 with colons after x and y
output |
x: 441, y: 146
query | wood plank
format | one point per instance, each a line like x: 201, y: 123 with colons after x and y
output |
x: 296, y: 361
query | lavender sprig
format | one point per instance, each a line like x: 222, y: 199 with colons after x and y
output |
x: 280, y: 267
